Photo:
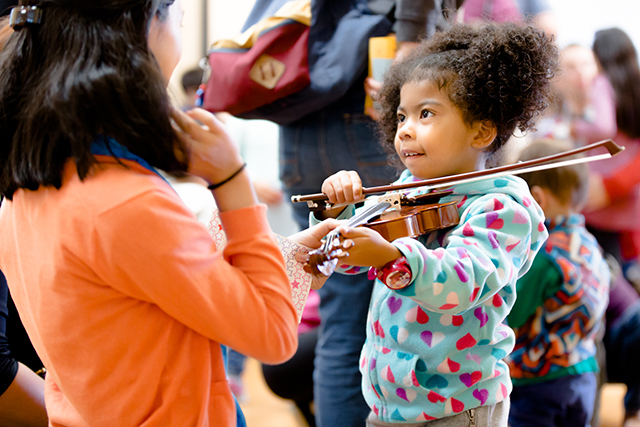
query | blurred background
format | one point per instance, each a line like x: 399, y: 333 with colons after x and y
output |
x: 208, y: 20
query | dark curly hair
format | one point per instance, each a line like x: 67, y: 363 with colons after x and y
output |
x: 496, y: 72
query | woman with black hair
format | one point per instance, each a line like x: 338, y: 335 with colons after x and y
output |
x: 614, y: 202
x: 124, y: 294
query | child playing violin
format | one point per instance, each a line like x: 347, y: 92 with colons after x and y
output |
x: 435, y: 335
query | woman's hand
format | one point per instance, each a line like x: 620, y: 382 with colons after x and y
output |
x: 312, y: 238
x: 215, y: 158
x: 212, y: 154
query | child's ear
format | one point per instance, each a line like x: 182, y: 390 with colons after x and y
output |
x: 540, y: 196
x: 486, y: 133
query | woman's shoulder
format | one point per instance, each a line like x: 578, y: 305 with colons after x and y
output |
x: 111, y: 184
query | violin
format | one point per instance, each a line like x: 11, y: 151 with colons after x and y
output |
x: 397, y: 215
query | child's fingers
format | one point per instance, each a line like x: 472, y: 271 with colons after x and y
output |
x: 357, y: 232
x: 355, y: 186
x: 343, y: 187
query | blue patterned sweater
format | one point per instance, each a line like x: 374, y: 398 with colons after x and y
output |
x: 436, y: 348
x: 560, y: 306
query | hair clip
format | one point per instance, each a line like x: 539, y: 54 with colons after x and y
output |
x: 23, y: 15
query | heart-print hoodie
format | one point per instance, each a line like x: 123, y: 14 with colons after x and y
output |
x: 436, y: 347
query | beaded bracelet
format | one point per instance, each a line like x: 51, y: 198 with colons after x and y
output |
x: 233, y: 175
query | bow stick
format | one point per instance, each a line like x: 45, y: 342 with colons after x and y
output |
x: 513, y: 169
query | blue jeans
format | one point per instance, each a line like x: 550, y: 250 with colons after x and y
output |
x: 311, y: 150
x: 235, y: 362
x: 566, y: 401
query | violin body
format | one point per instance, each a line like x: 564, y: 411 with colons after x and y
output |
x: 416, y: 216
x: 414, y: 221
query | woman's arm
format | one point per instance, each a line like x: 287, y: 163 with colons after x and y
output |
x: 22, y: 404
x: 240, y: 297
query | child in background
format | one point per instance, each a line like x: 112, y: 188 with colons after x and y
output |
x: 191, y: 81
x: 436, y: 342
x: 560, y: 305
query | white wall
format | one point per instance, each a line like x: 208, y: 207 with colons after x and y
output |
x: 578, y: 20
x: 225, y: 18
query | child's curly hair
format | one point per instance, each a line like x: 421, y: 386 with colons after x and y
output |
x: 497, y: 72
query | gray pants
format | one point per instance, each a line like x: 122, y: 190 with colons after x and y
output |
x: 484, y: 416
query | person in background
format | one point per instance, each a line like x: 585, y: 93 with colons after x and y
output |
x: 622, y: 344
x: 559, y: 306
x: 191, y: 81
x: 587, y: 110
x: 21, y: 389
x: 614, y: 202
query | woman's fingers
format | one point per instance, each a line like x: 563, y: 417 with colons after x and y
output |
x: 209, y: 120
x: 186, y: 124
x: 312, y: 237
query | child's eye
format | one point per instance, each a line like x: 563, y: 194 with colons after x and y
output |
x: 401, y: 118
x: 425, y: 114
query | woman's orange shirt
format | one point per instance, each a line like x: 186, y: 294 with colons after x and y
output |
x: 127, y: 299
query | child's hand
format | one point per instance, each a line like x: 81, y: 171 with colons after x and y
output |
x: 343, y: 187
x: 367, y: 248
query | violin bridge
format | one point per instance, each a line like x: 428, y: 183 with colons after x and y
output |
x: 393, y: 198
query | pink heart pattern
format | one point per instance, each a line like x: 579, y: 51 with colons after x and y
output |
x: 486, y: 252
x: 481, y: 394
x: 394, y: 304
x: 481, y: 316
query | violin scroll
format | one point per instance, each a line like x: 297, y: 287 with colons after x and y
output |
x: 323, y: 261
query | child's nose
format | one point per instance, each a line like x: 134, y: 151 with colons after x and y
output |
x: 406, y: 130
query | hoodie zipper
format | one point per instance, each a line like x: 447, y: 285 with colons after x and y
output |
x: 472, y: 417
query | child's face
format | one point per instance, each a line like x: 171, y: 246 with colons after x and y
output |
x: 432, y: 138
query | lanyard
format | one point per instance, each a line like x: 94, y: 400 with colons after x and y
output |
x: 107, y: 146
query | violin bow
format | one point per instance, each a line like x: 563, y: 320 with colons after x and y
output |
x: 542, y: 163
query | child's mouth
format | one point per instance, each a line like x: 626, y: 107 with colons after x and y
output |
x: 411, y: 155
